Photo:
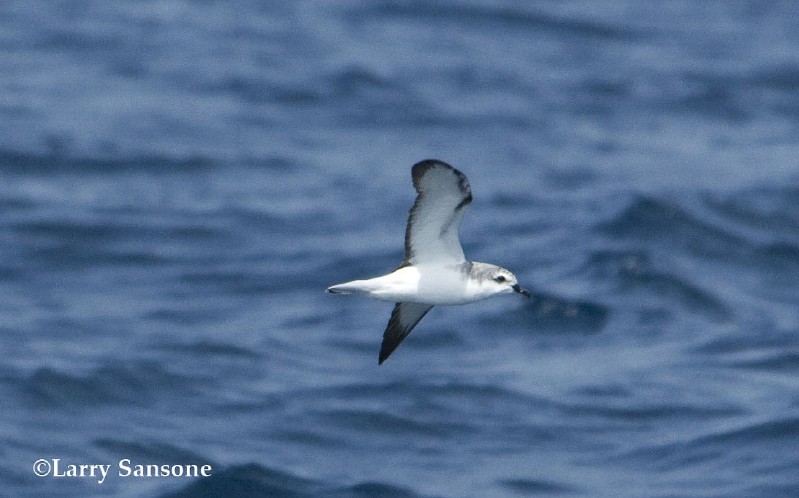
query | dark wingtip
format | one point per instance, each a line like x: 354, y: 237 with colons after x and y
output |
x: 397, y: 331
x: 386, y: 348
x: 419, y: 169
x: 384, y: 354
x: 429, y: 163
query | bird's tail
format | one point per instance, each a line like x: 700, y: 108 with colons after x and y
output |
x: 354, y: 287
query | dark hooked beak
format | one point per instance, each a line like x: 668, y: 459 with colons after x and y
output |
x: 518, y: 288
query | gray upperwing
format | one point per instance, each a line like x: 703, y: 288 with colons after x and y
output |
x: 432, y: 231
x: 403, y: 319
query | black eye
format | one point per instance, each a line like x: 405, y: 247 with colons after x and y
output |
x: 499, y: 278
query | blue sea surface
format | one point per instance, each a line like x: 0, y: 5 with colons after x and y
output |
x: 180, y: 181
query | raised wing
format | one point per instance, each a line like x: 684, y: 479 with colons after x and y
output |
x: 403, y: 319
x: 432, y: 231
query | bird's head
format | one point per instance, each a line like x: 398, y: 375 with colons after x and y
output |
x: 501, y: 281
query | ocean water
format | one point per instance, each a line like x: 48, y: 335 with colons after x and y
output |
x: 180, y: 181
